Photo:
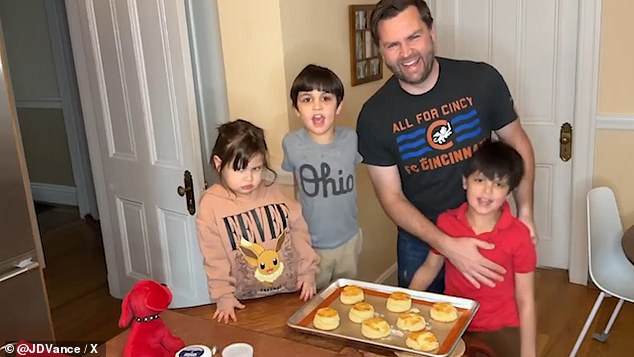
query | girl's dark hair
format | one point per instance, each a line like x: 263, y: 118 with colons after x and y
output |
x: 236, y: 144
x: 497, y: 160
x: 387, y: 9
x: 314, y: 77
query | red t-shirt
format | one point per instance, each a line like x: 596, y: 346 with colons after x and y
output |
x: 513, y: 250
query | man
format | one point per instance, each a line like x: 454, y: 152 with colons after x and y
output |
x: 419, y: 129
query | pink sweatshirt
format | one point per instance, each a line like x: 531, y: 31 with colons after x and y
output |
x: 253, y: 247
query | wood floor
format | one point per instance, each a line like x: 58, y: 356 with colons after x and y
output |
x: 82, y: 309
x: 75, y: 276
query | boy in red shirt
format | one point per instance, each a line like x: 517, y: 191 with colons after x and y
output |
x: 506, y: 318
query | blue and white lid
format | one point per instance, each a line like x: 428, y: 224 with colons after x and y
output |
x: 194, y: 351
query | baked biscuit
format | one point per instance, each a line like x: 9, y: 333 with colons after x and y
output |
x: 409, y: 321
x: 351, y: 294
x: 399, y: 302
x: 422, y: 341
x: 326, y: 318
x: 361, y: 311
x: 375, y: 327
x: 443, y: 312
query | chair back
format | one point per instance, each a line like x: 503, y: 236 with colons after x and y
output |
x: 604, y: 236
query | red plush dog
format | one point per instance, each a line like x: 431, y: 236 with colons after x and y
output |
x: 148, y: 335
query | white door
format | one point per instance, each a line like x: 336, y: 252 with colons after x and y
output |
x: 533, y: 44
x: 134, y: 71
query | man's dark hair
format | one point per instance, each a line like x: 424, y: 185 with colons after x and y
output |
x: 497, y: 160
x: 314, y: 77
x: 387, y: 9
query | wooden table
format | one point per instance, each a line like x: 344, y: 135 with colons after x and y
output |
x: 628, y: 243
x: 269, y: 316
x: 195, y: 330
x: 262, y: 324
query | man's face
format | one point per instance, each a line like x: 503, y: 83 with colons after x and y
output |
x: 407, y: 46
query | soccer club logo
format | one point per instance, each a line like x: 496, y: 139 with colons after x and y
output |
x: 440, y: 135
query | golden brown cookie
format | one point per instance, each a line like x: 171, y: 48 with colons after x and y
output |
x: 326, y: 319
x: 399, y: 302
x: 410, y: 321
x: 375, y: 327
x: 443, y: 312
x: 361, y: 311
x: 422, y: 341
x: 351, y: 294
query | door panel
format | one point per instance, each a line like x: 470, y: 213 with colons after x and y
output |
x: 533, y: 44
x: 138, y: 76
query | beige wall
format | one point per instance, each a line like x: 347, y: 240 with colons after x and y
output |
x: 254, y: 67
x: 610, y: 168
x: 28, y: 49
x: 47, y: 159
x: 264, y: 47
x: 613, y: 165
x: 34, y: 84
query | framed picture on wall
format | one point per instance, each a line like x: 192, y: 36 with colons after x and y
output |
x: 366, y: 65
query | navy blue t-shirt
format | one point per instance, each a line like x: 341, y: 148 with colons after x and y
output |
x: 431, y: 136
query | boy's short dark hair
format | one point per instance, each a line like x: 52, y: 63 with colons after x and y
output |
x: 314, y: 77
x: 497, y: 160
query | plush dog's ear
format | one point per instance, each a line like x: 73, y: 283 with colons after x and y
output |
x: 126, y: 312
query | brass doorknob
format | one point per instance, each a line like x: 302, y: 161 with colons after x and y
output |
x: 565, y: 142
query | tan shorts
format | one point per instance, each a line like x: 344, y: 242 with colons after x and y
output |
x: 339, y: 262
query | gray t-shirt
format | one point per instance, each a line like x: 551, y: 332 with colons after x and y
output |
x: 325, y: 176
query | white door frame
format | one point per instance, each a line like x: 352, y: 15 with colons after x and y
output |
x: 583, y: 134
x: 209, y: 76
x: 587, y: 73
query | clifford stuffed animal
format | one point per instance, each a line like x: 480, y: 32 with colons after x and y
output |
x: 148, y: 335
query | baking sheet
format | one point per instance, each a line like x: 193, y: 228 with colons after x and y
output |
x: 448, y: 334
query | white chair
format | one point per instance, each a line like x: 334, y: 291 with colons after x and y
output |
x: 610, y: 270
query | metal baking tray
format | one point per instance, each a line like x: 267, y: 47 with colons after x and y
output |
x: 448, y: 334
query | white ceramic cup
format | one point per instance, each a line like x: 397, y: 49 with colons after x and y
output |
x: 239, y: 349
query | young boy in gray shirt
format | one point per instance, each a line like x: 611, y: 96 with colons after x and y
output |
x: 322, y: 158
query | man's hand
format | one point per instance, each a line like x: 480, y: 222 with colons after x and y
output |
x: 528, y: 221
x: 464, y: 255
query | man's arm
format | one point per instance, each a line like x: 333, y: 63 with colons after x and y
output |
x: 463, y: 253
x: 514, y: 135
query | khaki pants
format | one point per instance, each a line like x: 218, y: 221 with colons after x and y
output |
x: 339, y: 262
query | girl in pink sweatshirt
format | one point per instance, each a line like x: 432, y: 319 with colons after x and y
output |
x: 254, y: 239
